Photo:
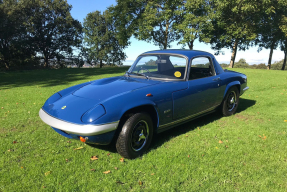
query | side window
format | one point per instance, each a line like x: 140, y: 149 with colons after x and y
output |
x: 201, y: 67
x: 200, y: 62
x: 177, y: 61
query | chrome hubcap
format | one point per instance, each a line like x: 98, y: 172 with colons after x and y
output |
x: 231, y: 101
x: 140, y: 135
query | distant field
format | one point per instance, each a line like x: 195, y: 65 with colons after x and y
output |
x: 246, y: 151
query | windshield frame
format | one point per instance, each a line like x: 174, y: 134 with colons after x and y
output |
x: 158, y: 78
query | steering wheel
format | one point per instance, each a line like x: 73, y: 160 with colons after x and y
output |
x: 143, y: 69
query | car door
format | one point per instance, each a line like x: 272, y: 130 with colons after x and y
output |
x: 202, y: 91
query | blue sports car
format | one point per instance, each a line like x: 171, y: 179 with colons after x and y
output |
x: 161, y: 90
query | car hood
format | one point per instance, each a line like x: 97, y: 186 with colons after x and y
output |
x: 104, y: 89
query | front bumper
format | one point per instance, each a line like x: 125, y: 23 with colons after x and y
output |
x: 77, y: 129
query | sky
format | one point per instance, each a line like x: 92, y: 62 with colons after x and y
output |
x: 82, y: 7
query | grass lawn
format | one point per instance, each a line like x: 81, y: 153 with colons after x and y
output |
x: 247, y: 151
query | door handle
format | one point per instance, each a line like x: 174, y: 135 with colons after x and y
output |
x: 216, y: 79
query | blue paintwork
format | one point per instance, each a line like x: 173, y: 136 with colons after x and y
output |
x: 172, y: 100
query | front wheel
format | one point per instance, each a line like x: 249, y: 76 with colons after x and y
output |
x: 230, y: 102
x: 136, y: 136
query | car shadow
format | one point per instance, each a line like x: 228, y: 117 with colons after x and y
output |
x: 191, y: 125
x: 54, y: 77
x: 164, y: 137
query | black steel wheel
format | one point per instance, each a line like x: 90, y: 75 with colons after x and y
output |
x: 230, y: 102
x: 136, y: 136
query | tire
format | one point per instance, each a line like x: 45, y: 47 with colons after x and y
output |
x: 135, y: 136
x: 230, y: 102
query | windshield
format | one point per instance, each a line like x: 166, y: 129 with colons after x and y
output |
x: 160, y: 66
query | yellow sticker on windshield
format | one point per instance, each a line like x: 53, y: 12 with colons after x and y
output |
x: 177, y: 74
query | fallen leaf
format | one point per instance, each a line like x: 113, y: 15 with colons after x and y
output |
x: 188, y: 156
x: 226, y: 141
x: 2, y: 107
x: 107, y: 172
x: 44, y: 187
x: 14, y: 142
x: 92, y: 169
x: 122, y: 160
x: 9, y: 150
x: 116, y: 168
x: 94, y: 158
x: 68, y: 141
x: 48, y: 173
x: 67, y: 160
x: 140, y: 183
x: 202, y: 155
x: 226, y: 146
x: 152, y: 174
x: 108, y: 154
x: 119, y: 182
x: 78, y: 148
x: 220, y: 141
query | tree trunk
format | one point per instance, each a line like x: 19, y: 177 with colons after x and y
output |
x: 190, y: 45
x: 284, y: 62
x: 101, y: 63
x: 7, y: 65
x: 270, y: 56
x: 233, y: 55
x: 46, y: 59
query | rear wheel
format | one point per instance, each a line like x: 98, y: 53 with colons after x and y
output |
x: 230, y: 102
x: 136, y: 136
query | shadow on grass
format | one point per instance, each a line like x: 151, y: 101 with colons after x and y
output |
x: 164, y: 137
x: 53, y: 77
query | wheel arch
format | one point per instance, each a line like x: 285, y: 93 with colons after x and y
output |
x: 232, y: 84
x: 127, y: 113
x: 148, y: 108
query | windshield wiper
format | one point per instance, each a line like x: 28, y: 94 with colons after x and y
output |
x: 139, y: 74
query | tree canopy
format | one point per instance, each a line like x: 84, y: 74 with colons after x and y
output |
x: 101, y: 40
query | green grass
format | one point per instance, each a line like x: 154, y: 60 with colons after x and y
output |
x: 190, y: 157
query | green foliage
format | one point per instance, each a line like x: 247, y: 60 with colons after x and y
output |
x: 101, y: 39
x: 151, y: 21
x: 241, y: 64
x: 234, y: 25
x: 194, y: 17
x: 41, y: 27
x: 261, y: 66
x: 277, y: 65
x: 52, y: 28
x: 14, y: 42
x: 270, y: 28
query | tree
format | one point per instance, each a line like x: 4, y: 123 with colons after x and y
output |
x: 241, y: 64
x: 52, y: 28
x: 283, y: 28
x: 269, y: 26
x: 14, y: 44
x: 100, y: 36
x: 149, y: 20
x: 234, y: 25
x: 194, y: 18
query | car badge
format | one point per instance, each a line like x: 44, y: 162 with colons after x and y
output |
x: 64, y: 107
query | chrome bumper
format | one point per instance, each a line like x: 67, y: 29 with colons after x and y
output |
x: 84, y: 130
x: 245, y: 89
